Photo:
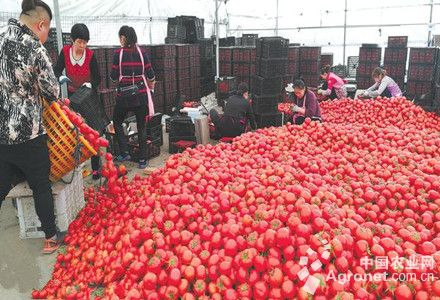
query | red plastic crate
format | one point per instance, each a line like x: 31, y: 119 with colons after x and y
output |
x: 194, y: 50
x: 164, y: 63
x: 184, y: 83
x: 163, y: 51
x: 326, y: 59
x: 293, y: 68
x: 370, y: 55
x: 241, y: 54
x: 183, y: 74
x: 397, y: 41
x: 293, y: 54
x: 395, y: 70
x: 309, y: 67
x: 423, y: 55
x: 183, y: 50
x: 158, y: 100
x: 395, y: 55
x: 225, y: 69
x: 225, y: 54
x: 364, y: 82
x: 365, y: 69
x: 310, y: 53
x: 170, y: 86
x: 418, y: 88
x: 422, y: 72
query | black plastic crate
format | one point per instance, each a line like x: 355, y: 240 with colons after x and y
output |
x: 309, y: 67
x: 271, y: 67
x: 364, y: 82
x: 108, y: 100
x: 272, y: 47
x: 265, y: 103
x: 182, y: 126
x: 226, y: 85
x: 152, y: 150
x: 266, y: 86
x: 269, y: 119
x: 352, y: 65
x: 155, y: 134
x: 415, y: 89
x: 326, y: 59
x: 370, y: 55
x: 422, y: 72
x: 397, y: 41
x: 163, y: 51
x: 310, y: 80
x: 395, y: 55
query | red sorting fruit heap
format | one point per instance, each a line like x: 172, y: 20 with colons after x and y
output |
x: 267, y: 215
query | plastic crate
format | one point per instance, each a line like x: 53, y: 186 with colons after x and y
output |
x: 164, y: 63
x: 416, y: 89
x: 423, y: 56
x: 310, y: 53
x: 225, y: 54
x: 163, y: 51
x: 68, y: 201
x: 269, y: 119
x: 153, y: 149
x: 395, y: 55
x: 311, y: 80
x: 326, y: 59
x: 397, y: 41
x: 366, y: 68
x: 108, y: 100
x: 225, y: 69
x: 364, y: 82
x: 293, y: 54
x: 155, y: 135
x: 370, y: 55
x: 182, y: 126
x: 85, y: 101
x: 272, y: 47
x: 271, y: 67
x: 265, y: 103
x: 266, y: 86
x: 309, y: 67
x: 352, y: 65
x: 422, y: 72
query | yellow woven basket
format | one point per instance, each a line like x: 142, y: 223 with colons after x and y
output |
x: 62, y: 142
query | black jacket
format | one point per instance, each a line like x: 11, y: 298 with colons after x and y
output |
x: 240, y: 108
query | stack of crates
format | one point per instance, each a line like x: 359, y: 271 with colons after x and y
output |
x: 369, y: 58
x: 194, y: 65
x: 424, y: 76
x: 326, y: 59
x: 207, y: 66
x: 267, y: 84
x: 395, y: 58
x: 293, y: 62
x: 309, y: 67
x: 225, y: 59
x: 249, y: 40
x: 352, y: 65
x: 164, y: 64
x: 183, y: 70
x: 243, y: 63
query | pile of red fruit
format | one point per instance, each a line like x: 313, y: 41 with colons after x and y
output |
x: 281, y: 213
x: 91, y: 135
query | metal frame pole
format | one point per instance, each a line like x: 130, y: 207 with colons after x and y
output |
x: 276, y: 20
x: 59, y: 38
x: 217, y: 46
x: 345, y: 34
x: 430, y: 23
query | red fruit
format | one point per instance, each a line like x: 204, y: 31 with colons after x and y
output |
x: 403, y: 292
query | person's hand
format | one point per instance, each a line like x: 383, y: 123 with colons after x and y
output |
x: 64, y: 79
x: 296, y: 108
x: 365, y: 94
x: 319, y: 92
x: 87, y: 84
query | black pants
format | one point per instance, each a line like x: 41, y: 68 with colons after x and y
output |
x: 119, y: 115
x: 32, y: 159
x: 226, y: 126
x: 300, y: 119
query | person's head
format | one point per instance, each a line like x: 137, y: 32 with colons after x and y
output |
x: 378, y: 74
x: 36, y: 15
x: 325, y: 71
x: 127, y: 36
x: 80, y: 36
x: 299, y: 88
x: 243, y: 90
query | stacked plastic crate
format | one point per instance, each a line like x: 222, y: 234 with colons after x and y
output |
x: 424, y: 76
x: 326, y: 59
x: 395, y: 58
x: 207, y: 66
x: 272, y: 63
x: 309, y: 67
x: 369, y: 58
x: 243, y: 63
x: 164, y: 64
x: 293, y: 62
x: 194, y: 65
x: 183, y: 70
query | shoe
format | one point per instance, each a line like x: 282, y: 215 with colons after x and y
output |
x: 143, y: 163
x: 96, y: 175
x: 51, y: 245
x: 123, y: 157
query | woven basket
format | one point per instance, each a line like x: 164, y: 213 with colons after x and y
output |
x: 62, y: 142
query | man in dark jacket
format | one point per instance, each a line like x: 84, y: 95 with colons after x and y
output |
x: 237, y: 112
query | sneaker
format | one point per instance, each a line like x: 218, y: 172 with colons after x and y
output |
x: 123, y: 157
x: 142, y: 164
x: 96, y: 175
x: 51, y: 245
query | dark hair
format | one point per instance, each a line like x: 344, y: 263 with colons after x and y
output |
x: 130, y: 36
x: 80, y: 31
x: 326, y: 69
x: 242, y: 88
x: 30, y: 5
x: 299, y: 84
